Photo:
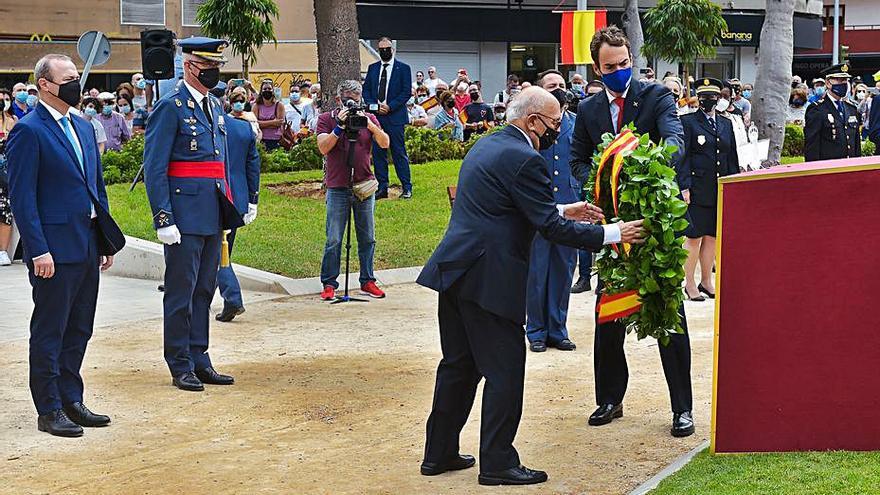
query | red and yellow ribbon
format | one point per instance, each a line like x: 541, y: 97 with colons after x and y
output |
x: 616, y: 306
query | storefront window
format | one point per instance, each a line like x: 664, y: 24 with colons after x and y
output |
x: 527, y: 61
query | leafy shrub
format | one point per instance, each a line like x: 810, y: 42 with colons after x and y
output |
x: 793, y: 145
x: 868, y: 148
x: 123, y: 165
x: 306, y: 156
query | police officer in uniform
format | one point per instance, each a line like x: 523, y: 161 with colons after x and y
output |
x: 185, y: 172
x: 551, y: 265
x: 710, y: 153
x: 832, y: 125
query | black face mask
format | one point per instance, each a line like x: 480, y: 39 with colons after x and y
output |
x: 560, y: 95
x: 386, y: 53
x: 548, y: 139
x: 450, y: 104
x: 267, y: 94
x: 209, y: 77
x: 707, y: 104
x: 69, y: 92
x: 475, y: 96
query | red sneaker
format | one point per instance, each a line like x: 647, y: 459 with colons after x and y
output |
x: 328, y: 293
x: 371, y: 289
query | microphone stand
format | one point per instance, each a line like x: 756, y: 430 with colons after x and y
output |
x: 352, y: 140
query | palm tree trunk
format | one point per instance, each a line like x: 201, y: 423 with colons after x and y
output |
x: 632, y: 24
x: 338, y: 51
x: 245, y: 69
x: 772, y: 83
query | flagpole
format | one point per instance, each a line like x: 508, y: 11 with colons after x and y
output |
x: 582, y: 68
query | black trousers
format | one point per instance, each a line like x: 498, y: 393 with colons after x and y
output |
x: 612, y: 373
x: 477, y: 344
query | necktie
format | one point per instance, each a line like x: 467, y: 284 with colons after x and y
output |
x: 65, y: 123
x: 383, y: 83
x: 840, y: 108
x: 619, y: 101
x: 712, y: 123
x: 207, y: 109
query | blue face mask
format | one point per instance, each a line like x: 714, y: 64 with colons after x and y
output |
x: 21, y: 96
x: 747, y: 94
x: 820, y: 91
x: 107, y: 110
x: 126, y: 109
x: 31, y: 100
x: 91, y: 112
x: 577, y: 87
x: 618, y: 80
x: 277, y: 92
x: 294, y: 96
x: 238, y: 106
x: 142, y: 84
x: 840, y: 89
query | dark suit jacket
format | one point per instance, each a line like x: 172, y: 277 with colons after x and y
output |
x: 874, y: 128
x: 51, y: 199
x: 828, y: 135
x: 709, y: 154
x: 244, y: 163
x: 652, y: 108
x: 399, y: 91
x: 504, y: 196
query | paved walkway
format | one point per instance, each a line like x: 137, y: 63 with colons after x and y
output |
x: 120, y: 300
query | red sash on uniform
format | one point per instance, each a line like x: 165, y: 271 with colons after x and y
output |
x: 200, y: 170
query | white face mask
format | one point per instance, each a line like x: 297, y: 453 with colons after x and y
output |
x: 722, y: 105
x: 860, y: 95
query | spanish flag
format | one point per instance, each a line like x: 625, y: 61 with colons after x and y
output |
x: 578, y: 28
x: 617, y: 306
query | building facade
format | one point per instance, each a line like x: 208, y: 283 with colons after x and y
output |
x: 488, y: 38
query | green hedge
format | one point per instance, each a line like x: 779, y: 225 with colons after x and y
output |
x: 423, y: 145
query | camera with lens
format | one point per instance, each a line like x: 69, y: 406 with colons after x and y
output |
x: 356, y: 118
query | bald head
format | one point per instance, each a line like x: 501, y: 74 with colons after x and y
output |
x: 534, y: 110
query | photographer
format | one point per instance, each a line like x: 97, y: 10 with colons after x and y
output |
x: 349, y: 124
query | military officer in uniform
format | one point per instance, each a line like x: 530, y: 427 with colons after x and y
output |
x: 185, y: 172
x: 832, y: 125
x: 710, y: 153
x: 551, y: 265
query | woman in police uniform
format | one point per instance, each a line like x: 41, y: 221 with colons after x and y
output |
x: 710, y: 152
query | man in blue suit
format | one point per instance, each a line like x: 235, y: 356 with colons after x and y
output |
x: 185, y: 173
x: 55, y: 186
x: 652, y: 109
x: 389, y: 85
x: 480, y: 270
x: 551, y: 267
x: 244, y: 179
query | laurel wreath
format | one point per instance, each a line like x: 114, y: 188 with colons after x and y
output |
x: 647, y: 189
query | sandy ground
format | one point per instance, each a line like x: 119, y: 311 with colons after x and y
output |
x: 333, y: 400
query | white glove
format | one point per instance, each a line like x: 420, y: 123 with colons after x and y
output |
x: 169, y: 235
x: 251, y: 215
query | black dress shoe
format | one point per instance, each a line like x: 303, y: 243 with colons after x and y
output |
x: 80, y: 414
x: 697, y: 298
x: 456, y: 463
x: 605, y: 413
x: 57, y: 423
x: 228, y: 313
x: 382, y: 194
x: 211, y: 377
x: 565, y: 345
x: 519, y: 475
x: 538, y: 346
x: 702, y: 289
x: 582, y: 285
x: 683, y: 424
x: 188, y: 381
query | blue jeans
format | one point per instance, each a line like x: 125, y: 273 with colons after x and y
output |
x: 339, y: 200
